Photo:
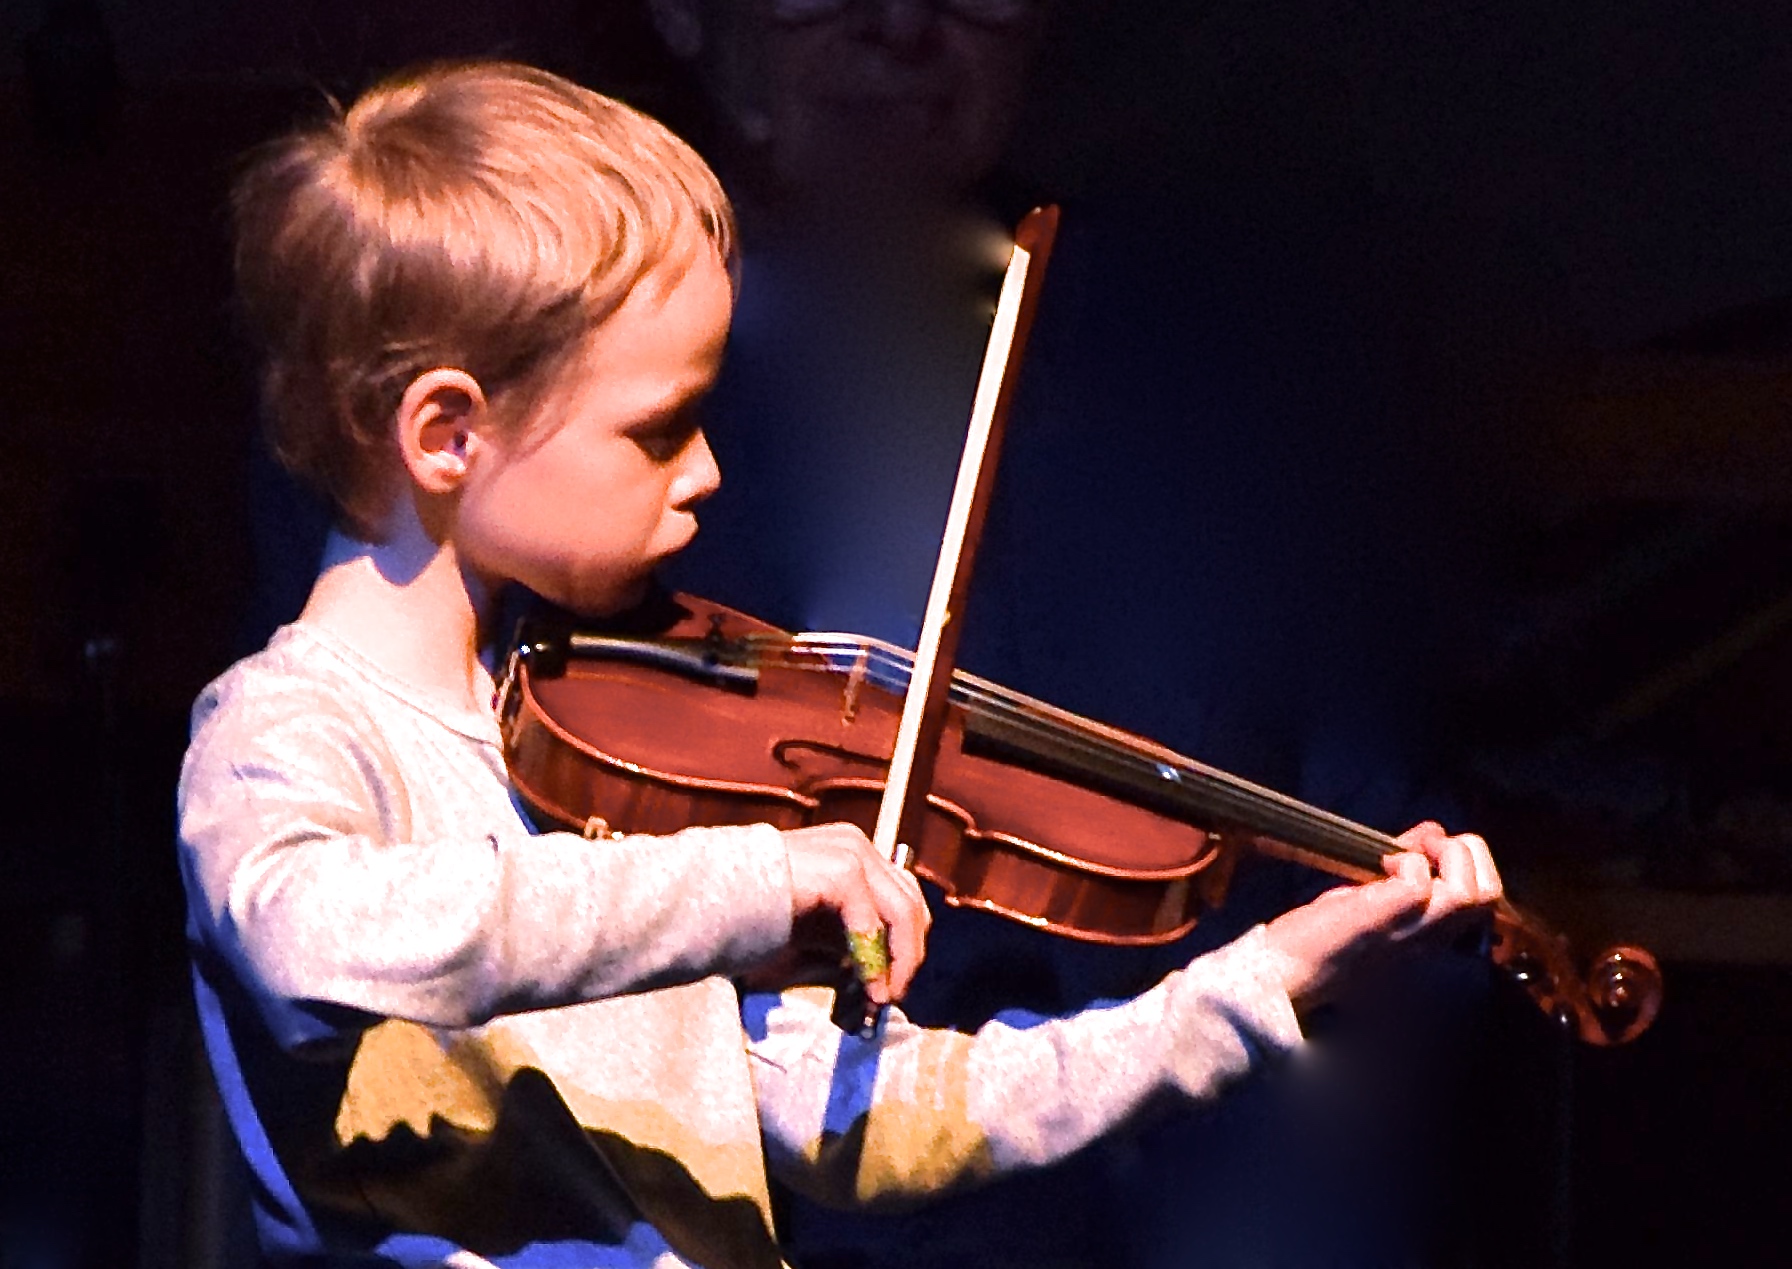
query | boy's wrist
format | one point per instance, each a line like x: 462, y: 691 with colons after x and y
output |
x: 1252, y: 976
x: 753, y: 869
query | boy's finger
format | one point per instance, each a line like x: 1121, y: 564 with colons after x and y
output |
x: 1468, y: 874
x: 870, y: 954
x: 1407, y: 865
x: 1488, y: 886
x: 1456, y: 885
x: 1402, y: 898
x: 1424, y: 838
x: 907, y: 919
x: 866, y: 940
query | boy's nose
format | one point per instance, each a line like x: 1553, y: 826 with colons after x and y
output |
x: 701, y: 476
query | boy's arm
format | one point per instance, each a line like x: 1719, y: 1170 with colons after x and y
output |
x: 301, y: 874
x: 918, y: 1111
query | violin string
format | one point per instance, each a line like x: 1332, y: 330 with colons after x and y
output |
x: 1064, y: 731
x: 1200, y: 789
x: 1011, y: 707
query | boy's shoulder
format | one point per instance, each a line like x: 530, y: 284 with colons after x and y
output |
x: 301, y: 699
x: 309, y: 700
x: 297, y: 672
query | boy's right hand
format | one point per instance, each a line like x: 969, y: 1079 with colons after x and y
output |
x: 833, y: 868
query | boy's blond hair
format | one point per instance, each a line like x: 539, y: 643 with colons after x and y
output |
x: 484, y: 216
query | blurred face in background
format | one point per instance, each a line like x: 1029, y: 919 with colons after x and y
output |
x: 841, y: 101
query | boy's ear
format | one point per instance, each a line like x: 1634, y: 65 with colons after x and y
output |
x: 440, y: 423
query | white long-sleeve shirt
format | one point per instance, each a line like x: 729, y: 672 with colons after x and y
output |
x: 443, y: 1038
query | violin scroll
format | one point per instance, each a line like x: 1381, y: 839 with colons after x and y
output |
x: 1624, y: 990
x: 1612, y: 1002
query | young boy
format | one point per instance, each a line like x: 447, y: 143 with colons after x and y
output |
x: 491, y: 302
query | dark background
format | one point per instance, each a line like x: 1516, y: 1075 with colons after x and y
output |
x: 1507, y: 284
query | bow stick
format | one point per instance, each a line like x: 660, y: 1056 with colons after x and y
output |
x: 924, y: 708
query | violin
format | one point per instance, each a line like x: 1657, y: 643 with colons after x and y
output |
x: 687, y: 712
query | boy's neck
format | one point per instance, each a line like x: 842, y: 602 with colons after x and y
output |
x: 404, y: 604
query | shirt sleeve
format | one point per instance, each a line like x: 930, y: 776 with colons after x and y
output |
x: 915, y: 1111
x: 303, y: 875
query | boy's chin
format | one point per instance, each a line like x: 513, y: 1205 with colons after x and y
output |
x: 608, y: 600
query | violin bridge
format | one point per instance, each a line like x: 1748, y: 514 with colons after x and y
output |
x: 855, y: 681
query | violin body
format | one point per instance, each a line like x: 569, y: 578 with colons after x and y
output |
x: 685, y: 712
x: 724, y: 720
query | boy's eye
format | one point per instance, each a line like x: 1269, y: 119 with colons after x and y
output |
x: 662, y: 440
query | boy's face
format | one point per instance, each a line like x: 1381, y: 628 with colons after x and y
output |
x: 599, y: 485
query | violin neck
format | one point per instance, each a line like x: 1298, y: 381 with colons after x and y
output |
x: 1182, y: 788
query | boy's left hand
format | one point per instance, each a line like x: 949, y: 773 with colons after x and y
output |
x: 1436, y: 881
